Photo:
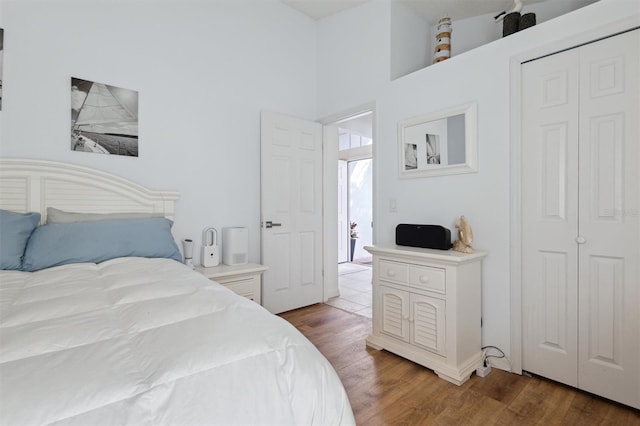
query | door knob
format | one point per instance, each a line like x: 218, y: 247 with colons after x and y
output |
x: 581, y: 240
x: 270, y: 224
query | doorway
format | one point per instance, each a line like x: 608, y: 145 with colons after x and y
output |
x: 355, y: 213
x: 355, y: 188
x: 359, y: 211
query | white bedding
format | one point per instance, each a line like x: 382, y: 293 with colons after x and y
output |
x: 150, y: 342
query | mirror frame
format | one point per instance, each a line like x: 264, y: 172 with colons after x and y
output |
x: 470, y: 111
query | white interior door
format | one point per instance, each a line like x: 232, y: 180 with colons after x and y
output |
x: 343, y: 212
x: 291, y: 212
x: 581, y: 226
x: 609, y: 217
x: 549, y: 218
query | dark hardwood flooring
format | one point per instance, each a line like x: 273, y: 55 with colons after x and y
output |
x: 385, y: 389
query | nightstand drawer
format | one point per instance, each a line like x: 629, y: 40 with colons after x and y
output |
x: 427, y: 278
x: 245, y: 287
x: 393, y: 271
x: 245, y: 280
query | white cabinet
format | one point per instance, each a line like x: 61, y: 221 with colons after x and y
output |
x: 413, y: 318
x: 427, y: 308
x: 245, y: 280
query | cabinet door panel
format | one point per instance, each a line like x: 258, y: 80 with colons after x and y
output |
x: 394, y: 309
x: 428, y: 323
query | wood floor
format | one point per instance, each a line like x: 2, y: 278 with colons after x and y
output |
x: 385, y: 389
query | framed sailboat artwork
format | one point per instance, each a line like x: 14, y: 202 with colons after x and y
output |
x: 104, y: 118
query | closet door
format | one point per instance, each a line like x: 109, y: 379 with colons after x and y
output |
x: 550, y: 217
x: 609, y: 217
x: 581, y: 217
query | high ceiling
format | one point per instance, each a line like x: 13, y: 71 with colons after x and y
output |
x: 430, y: 10
x: 318, y: 9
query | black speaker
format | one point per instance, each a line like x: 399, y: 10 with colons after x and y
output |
x: 424, y: 236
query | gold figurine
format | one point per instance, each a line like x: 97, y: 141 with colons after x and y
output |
x: 465, y: 236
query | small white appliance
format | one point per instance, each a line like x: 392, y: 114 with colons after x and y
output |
x: 210, y: 249
x: 235, y: 246
x: 187, y: 246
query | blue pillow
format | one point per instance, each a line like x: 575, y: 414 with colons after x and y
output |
x: 15, y: 230
x: 96, y: 241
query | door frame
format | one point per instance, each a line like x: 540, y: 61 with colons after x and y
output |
x: 343, y: 198
x: 515, y: 161
x: 330, y: 194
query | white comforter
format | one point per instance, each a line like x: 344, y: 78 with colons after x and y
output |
x: 150, y: 342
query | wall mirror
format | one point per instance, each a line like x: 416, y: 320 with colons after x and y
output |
x: 440, y: 143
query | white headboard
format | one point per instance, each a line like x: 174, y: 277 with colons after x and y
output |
x: 33, y: 185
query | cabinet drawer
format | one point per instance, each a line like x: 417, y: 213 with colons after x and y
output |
x: 233, y: 280
x: 244, y: 288
x: 247, y: 287
x: 427, y: 278
x: 392, y: 271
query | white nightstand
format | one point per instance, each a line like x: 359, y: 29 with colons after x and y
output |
x: 427, y: 307
x: 245, y: 280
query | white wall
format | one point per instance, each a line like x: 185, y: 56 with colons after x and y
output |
x: 480, y: 75
x: 204, y: 71
x: 353, y: 57
x: 410, y: 35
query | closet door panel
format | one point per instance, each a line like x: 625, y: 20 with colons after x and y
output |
x: 549, y: 197
x: 605, y: 152
x: 609, y: 277
x: 606, y: 307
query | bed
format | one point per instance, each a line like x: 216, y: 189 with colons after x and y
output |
x: 140, y: 340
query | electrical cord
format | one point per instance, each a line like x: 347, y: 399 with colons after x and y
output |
x: 486, y: 356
